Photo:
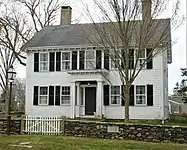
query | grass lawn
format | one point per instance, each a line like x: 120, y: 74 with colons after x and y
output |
x: 39, y: 142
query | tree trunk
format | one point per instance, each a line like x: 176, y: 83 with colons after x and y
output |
x: 126, y: 98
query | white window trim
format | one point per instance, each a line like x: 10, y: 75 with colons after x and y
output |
x: 39, y: 62
x: 114, y: 68
x: 65, y: 95
x: 94, y: 59
x: 40, y: 95
x: 111, y: 94
x: 70, y: 53
x: 145, y: 65
x: 139, y: 95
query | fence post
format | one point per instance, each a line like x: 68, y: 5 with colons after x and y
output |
x: 22, y: 124
x: 62, y: 124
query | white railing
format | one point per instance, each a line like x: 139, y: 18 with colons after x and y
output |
x: 42, y: 125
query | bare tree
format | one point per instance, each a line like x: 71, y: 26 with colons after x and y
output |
x: 19, y: 94
x: 42, y: 13
x: 14, y: 31
x: 6, y: 60
x: 15, y: 22
x: 128, y: 31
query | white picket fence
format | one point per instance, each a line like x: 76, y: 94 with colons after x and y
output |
x: 42, y: 125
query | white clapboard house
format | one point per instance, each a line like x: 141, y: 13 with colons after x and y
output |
x: 60, y: 81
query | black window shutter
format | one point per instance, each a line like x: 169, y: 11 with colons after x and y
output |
x: 51, y: 95
x: 131, y: 101
x: 81, y: 60
x: 58, y: 61
x: 131, y: 59
x: 149, y: 95
x: 98, y: 59
x: 52, y: 61
x: 122, y: 95
x: 74, y: 60
x: 106, y: 61
x: 57, y: 96
x: 36, y: 62
x: 123, y: 59
x: 35, y: 98
x: 150, y: 59
x: 106, y: 95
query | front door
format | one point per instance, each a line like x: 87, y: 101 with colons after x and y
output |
x: 90, y: 100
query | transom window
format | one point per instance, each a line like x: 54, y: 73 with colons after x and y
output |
x: 140, y: 94
x: 65, y: 95
x: 90, y: 60
x: 43, y: 95
x: 44, y: 62
x: 141, y: 58
x: 65, y: 60
x: 115, y: 95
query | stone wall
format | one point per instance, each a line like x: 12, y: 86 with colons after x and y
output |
x: 124, y: 131
x: 15, y: 126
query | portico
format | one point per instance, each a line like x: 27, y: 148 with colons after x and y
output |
x: 87, y: 98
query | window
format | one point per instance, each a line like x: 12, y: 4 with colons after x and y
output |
x: 141, y: 95
x: 90, y: 60
x: 65, y: 60
x: 115, y: 95
x: 65, y: 96
x: 141, y: 59
x: 44, y: 62
x: 43, y: 96
x: 115, y: 61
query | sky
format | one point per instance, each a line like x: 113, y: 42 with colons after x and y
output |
x: 178, y: 36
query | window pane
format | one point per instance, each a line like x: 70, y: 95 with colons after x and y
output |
x: 90, y: 54
x: 90, y: 64
x: 43, y: 90
x: 140, y: 89
x: 141, y: 53
x: 66, y: 65
x: 43, y: 66
x: 66, y: 56
x: 65, y: 99
x: 115, y: 99
x: 140, y: 99
x: 43, y: 100
x: 115, y: 63
x: 115, y: 90
x: 65, y: 90
x: 43, y: 56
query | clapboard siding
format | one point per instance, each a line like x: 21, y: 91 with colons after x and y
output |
x: 135, y: 112
x: 151, y: 76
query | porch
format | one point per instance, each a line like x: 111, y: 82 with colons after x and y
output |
x: 87, y: 98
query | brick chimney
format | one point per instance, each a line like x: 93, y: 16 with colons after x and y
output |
x: 146, y: 10
x: 65, y: 18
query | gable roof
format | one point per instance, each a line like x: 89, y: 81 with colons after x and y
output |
x: 60, y: 35
x: 74, y: 34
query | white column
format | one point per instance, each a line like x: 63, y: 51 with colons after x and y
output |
x: 78, y: 58
x: 102, y: 59
x: 73, y: 97
x: 77, y: 113
x: 99, y: 100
